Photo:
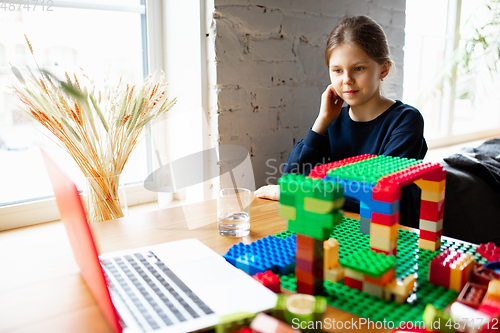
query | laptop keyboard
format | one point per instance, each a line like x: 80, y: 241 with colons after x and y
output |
x: 153, y: 295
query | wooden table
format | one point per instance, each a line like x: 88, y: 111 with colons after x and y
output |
x: 40, y: 286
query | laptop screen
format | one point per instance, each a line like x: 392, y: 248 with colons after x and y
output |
x: 79, y: 234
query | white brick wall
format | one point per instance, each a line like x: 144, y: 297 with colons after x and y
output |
x: 270, y: 69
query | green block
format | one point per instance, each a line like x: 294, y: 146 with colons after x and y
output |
x: 287, y: 199
x: 369, y: 262
x: 373, y: 169
x: 318, y: 226
x: 322, y: 206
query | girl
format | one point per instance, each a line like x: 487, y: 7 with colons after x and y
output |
x: 357, y: 55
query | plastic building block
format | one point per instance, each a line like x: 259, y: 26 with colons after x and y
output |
x: 372, y: 289
x: 431, y: 211
x: 489, y: 251
x: 246, y: 330
x: 372, y: 169
x: 331, y: 253
x: 385, y: 219
x: 383, y: 280
x: 493, y: 291
x: 399, y: 291
x: 321, y: 170
x: 432, y: 196
x: 309, y: 265
x: 472, y: 294
x: 431, y: 186
x: 335, y: 274
x: 483, y: 275
x: 384, y: 231
x: 287, y: 212
x: 271, y: 253
x: 364, y: 225
x: 369, y: 262
x: 322, y: 206
x: 269, y: 280
x: 353, y: 283
x: 451, y: 269
x: 430, y: 225
x: 429, y: 245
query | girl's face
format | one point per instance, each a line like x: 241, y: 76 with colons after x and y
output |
x: 355, y: 76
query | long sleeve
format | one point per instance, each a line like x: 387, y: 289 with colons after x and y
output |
x: 313, y: 150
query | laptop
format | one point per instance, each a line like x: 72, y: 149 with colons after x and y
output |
x: 178, y: 286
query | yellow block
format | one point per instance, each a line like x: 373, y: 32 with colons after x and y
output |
x: 384, y: 244
x: 288, y: 212
x: 353, y: 274
x: 432, y: 196
x: 334, y: 275
x: 322, y: 206
x: 428, y: 185
x: 430, y: 225
x: 428, y: 245
x: 384, y: 231
x: 331, y: 253
x: 462, y: 264
x: 493, y: 291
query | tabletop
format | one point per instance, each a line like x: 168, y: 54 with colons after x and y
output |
x: 40, y: 286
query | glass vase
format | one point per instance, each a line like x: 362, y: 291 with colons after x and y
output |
x: 105, y: 198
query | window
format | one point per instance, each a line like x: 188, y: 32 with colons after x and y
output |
x: 105, y: 39
x: 457, y: 105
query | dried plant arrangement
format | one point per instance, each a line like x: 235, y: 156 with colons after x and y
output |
x: 98, y: 127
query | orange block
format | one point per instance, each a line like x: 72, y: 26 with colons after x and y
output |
x: 383, y: 280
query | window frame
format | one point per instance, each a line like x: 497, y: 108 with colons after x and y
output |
x: 454, y: 10
x: 45, y: 209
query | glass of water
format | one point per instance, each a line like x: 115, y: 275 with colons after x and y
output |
x: 233, y: 211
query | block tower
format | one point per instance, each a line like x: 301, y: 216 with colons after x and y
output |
x: 312, y: 207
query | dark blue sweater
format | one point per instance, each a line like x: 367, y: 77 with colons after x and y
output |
x: 396, y: 132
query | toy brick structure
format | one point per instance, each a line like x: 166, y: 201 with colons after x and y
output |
x: 376, y: 181
x: 312, y: 206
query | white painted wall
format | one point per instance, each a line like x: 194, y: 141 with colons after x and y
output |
x: 268, y: 70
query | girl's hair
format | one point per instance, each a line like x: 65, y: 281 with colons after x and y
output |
x: 363, y: 32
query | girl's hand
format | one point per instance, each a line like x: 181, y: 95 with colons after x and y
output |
x: 268, y: 192
x: 331, y: 104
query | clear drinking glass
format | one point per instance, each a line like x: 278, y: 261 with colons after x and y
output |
x: 233, y: 211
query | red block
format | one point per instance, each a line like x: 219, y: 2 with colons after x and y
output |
x: 304, y: 288
x: 314, y: 266
x: 436, y: 174
x: 384, y: 219
x: 489, y: 251
x: 431, y: 211
x: 430, y: 235
x: 353, y: 283
x: 269, y: 280
x: 439, y: 274
x: 321, y: 170
x: 490, y: 307
x: 472, y: 294
x: 386, y: 191
x: 483, y: 275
